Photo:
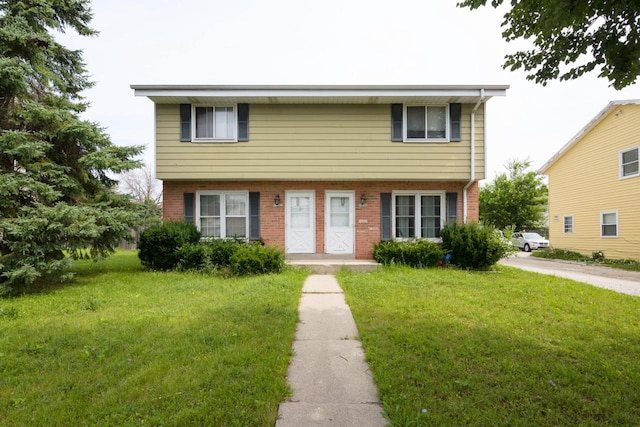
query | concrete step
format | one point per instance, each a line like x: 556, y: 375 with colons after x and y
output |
x: 327, y: 264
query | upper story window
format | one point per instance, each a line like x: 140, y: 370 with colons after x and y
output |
x: 426, y: 123
x: 214, y: 123
x: 629, y: 163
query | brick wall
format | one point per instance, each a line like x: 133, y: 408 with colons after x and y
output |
x: 367, y: 218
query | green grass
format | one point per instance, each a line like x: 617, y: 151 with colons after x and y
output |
x: 120, y: 346
x: 505, y: 348
x: 597, y: 258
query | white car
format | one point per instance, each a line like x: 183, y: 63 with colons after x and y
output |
x: 529, y: 241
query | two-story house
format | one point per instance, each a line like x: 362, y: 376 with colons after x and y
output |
x: 594, y: 185
x: 320, y: 169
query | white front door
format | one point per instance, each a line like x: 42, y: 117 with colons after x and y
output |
x: 300, y: 222
x: 339, y: 222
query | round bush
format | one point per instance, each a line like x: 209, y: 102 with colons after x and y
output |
x: 159, y: 244
x: 474, y: 246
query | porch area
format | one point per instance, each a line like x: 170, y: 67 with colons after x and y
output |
x: 329, y: 264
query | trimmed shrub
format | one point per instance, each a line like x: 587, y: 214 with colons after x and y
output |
x: 159, y: 244
x: 419, y: 253
x: 474, y: 246
x: 256, y: 259
x: 208, y: 255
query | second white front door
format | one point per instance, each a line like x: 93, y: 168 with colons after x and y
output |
x: 339, y: 222
x: 300, y: 222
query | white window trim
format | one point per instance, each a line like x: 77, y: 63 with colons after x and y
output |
x: 443, y: 212
x: 602, y: 214
x: 564, y: 228
x: 223, y: 217
x: 194, y: 119
x: 425, y: 139
x: 622, y: 176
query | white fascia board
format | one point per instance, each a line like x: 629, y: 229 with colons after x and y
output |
x: 586, y: 129
x: 315, y: 91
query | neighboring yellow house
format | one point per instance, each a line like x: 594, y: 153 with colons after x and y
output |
x: 320, y: 169
x: 594, y: 185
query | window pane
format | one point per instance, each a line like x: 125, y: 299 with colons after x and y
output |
x: 210, y: 205
x: 235, y: 204
x: 224, y: 122
x: 609, y: 230
x: 300, y: 212
x: 437, y: 122
x: 416, y: 122
x: 339, y: 211
x: 210, y: 227
x: 430, y: 206
x: 405, y: 216
x: 236, y: 227
x: 204, y: 122
x: 609, y: 218
x: 630, y: 156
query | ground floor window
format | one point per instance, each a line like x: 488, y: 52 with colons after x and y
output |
x: 609, y: 224
x: 417, y: 215
x: 568, y: 224
x: 222, y: 214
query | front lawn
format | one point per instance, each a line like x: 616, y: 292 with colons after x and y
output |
x: 120, y: 346
x: 505, y: 348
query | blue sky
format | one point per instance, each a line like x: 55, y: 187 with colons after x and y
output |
x: 428, y: 42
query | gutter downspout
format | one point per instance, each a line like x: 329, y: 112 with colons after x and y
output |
x: 472, y: 177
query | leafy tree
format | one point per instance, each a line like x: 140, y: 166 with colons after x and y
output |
x: 55, y: 191
x: 515, y: 199
x: 145, y: 191
x: 573, y: 37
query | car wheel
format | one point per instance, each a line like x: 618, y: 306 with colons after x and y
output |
x: 527, y: 248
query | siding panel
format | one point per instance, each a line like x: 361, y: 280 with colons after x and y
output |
x: 315, y: 142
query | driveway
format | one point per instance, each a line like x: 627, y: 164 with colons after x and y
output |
x: 626, y: 282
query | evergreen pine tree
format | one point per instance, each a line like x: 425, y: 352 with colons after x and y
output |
x: 56, y: 195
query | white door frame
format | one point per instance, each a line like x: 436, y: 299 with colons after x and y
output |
x: 300, y: 241
x: 327, y: 221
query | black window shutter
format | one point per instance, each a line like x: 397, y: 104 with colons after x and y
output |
x: 185, y: 122
x: 385, y: 216
x: 455, y: 115
x: 452, y: 207
x: 254, y: 216
x: 396, y: 122
x: 243, y: 122
x: 189, y: 209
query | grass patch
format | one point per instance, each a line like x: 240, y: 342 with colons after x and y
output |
x: 507, y: 348
x: 120, y: 346
x: 597, y: 258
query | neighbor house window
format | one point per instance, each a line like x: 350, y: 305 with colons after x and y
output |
x: 418, y: 215
x: 223, y: 214
x: 213, y: 123
x: 426, y: 122
x: 609, y: 224
x: 629, y: 163
x: 568, y: 224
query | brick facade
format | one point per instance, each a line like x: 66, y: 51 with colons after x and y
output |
x: 367, y: 218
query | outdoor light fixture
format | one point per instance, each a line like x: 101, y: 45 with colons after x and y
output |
x: 276, y: 200
x: 363, y: 200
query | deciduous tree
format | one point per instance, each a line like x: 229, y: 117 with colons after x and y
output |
x: 573, y: 37
x: 56, y: 194
x: 517, y: 198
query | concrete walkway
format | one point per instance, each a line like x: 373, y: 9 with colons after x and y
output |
x: 331, y: 381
